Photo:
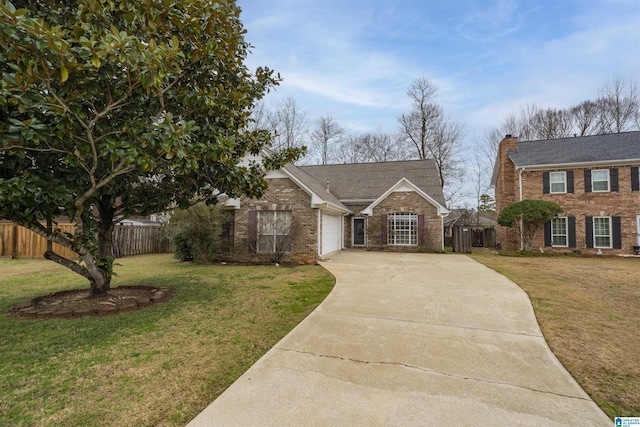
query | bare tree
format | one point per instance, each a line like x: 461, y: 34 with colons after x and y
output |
x: 618, y: 104
x: 420, y: 124
x: 326, y: 137
x: 375, y: 146
x: 259, y: 118
x: 434, y: 136
x: 288, y: 124
x: 551, y: 123
x: 585, y: 118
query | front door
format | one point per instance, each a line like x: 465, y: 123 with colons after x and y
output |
x: 358, y: 232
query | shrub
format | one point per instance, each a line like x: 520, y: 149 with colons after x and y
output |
x: 197, y: 232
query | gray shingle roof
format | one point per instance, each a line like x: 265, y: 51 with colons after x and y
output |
x: 597, y: 148
x: 315, y: 186
x: 368, y: 181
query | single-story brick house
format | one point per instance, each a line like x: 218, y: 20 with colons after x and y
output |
x: 594, y: 179
x: 309, y: 212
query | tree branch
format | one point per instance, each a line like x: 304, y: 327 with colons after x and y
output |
x: 74, y: 266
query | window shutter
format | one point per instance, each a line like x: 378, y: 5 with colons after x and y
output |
x: 617, y: 235
x: 569, y: 181
x: 253, y: 232
x: 547, y: 233
x: 635, y: 179
x: 572, y: 231
x: 589, y: 231
x: 383, y: 230
x: 546, y: 188
x: 421, y: 231
x: 613, y: 178
x: 587, y: 181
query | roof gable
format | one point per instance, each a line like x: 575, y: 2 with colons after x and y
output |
x: 319, y: 194
x: 405, y: 185
x: 611, y: 148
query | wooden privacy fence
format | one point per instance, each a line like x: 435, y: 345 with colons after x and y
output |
x: 140, y: 240
x: 19, y: 242
x: 462, y: 239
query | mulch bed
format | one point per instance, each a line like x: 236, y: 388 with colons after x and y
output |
x: 79, y: 303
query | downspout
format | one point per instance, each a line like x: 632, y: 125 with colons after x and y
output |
x: 319, y: 234
x: 344, y: 216
x: 521, y: 224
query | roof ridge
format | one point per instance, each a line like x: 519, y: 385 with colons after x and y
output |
x: 599, y: 135
x: 367, y: 163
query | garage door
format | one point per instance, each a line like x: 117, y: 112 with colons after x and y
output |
x: 331, y: 233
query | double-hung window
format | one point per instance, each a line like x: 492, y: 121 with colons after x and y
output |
x: 558, y: 182
x: 402, y: 229
x: 274, y: 229
x: 602, y: 232
x: 600, y: 180
x: 559, y: 234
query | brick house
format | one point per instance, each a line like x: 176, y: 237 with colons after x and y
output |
x: 309, y: 212
x: 593, y: 178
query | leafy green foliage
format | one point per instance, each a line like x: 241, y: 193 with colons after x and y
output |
x: 197, y: 232
x: 111, y: 109
x: 527, y: 217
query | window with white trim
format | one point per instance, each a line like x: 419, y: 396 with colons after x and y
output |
x: 559, y: 234
x: 402, y: 229
x: 602, y: 232
x: 558, y: 182
x: 274, y: 229
x: 600, y: 180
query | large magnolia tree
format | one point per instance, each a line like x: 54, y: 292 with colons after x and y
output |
x: 111, y: 109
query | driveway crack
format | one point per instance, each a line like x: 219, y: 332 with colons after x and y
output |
x: 433, y: 372
x: 444, y: 325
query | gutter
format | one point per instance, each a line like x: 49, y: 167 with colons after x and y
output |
x: 576, y: 165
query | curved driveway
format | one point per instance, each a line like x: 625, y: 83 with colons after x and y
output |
x: 409, y: 340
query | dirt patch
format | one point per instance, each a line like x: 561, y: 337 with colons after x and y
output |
x: 79, y: 303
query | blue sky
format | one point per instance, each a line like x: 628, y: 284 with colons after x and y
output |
x: 355, y: 59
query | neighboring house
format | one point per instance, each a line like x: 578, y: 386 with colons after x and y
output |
x: 593, y: 178
x: 309, y: 212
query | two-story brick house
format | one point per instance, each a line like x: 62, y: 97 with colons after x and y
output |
x: 595, y: 180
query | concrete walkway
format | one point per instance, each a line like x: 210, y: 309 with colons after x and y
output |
x: 410, y: 340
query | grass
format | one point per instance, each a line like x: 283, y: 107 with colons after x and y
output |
x: 159, y: 366
x: 589, y: 312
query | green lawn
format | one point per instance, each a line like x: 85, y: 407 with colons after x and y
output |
x: 159, y: 366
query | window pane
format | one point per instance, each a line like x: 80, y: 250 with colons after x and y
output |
x: 265, y: 243
x: 402, y: 229
x: 557, y: 180
x: 559, y: 232
x: 600, y: 180
x: 602, y: 232
x: 274, y: 229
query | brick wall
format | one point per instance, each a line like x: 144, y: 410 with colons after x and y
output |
x: 406, y: 202
x: 282, y: 194
x: 623, y: 203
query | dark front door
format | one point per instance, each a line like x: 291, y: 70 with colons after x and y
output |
x: 358, y: 232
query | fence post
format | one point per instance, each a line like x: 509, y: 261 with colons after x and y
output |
x: 14, y: 242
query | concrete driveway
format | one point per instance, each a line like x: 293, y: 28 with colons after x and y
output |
x: 410, y: 340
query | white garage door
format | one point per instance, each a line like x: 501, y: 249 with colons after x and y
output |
x: 331, y: 233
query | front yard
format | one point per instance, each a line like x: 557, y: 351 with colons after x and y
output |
x: 159, y: 366
x: 589, y: 311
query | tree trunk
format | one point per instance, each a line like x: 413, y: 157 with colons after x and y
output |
x: 100, y: 266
